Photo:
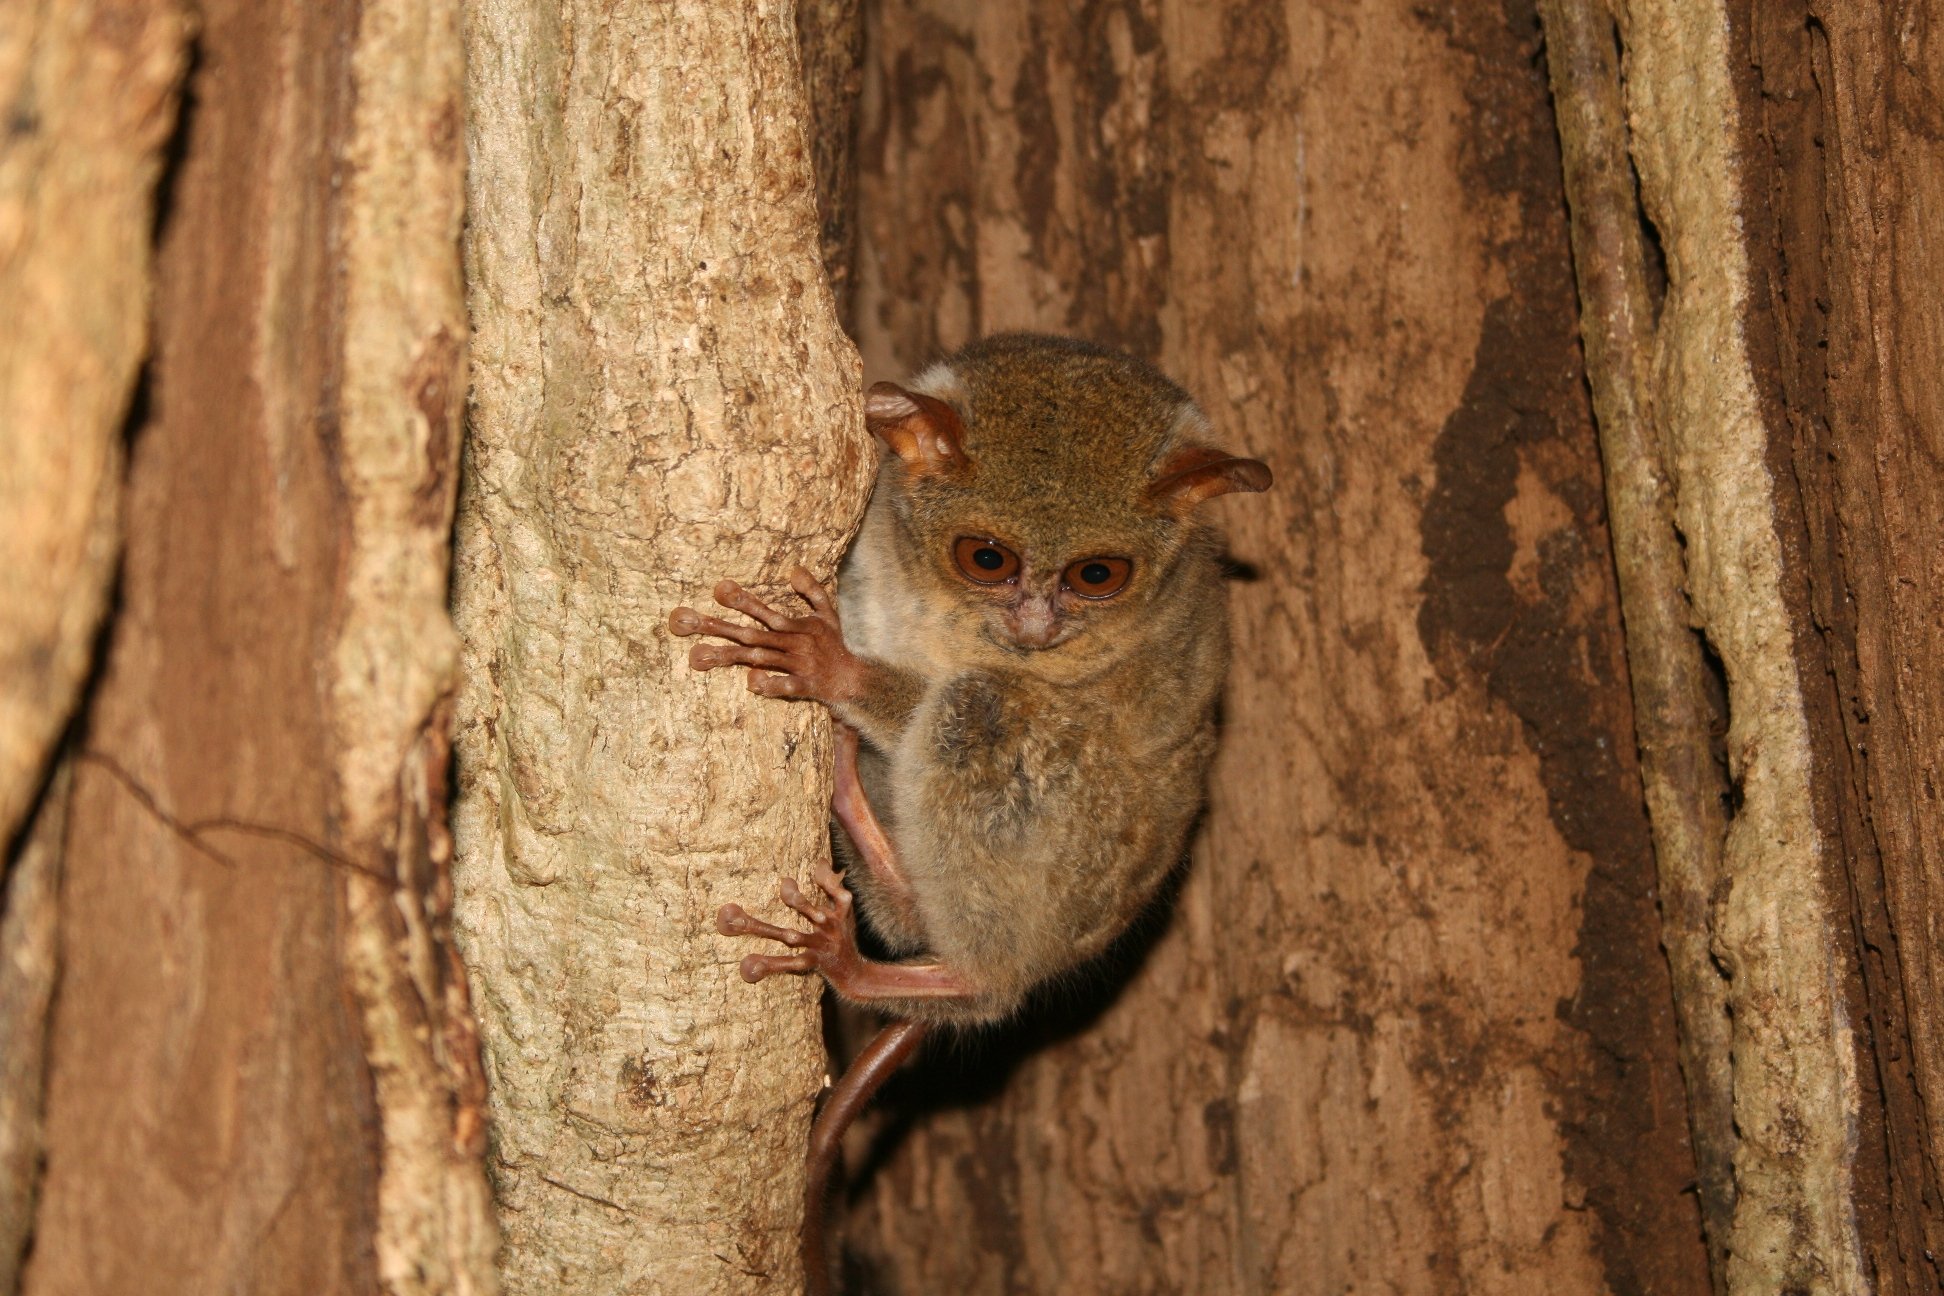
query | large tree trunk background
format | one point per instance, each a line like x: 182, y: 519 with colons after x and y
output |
x: 261, y: 1075
x: 1564, y: 918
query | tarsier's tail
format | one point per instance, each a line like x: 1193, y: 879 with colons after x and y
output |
x: 849, y: 1096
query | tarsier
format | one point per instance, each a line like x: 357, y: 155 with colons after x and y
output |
x: 1032, y: 640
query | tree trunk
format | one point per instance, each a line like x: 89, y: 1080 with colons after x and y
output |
x: 662, y: 398
x: 1408, y: 1026
x: 260, y: 1074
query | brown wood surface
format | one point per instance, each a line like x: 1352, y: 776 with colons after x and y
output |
x: 207, y: 1090
x: 254, y: 896
x: 1844, y: 134
x: 1408, y: 1026
x: 88, y: 98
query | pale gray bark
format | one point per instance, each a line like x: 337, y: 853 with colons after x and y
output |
x: 661, y: 398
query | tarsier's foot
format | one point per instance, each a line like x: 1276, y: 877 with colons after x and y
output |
x: 830, y: 948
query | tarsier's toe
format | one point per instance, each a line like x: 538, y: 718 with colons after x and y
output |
x: 833, y: 886
x: 731, y: 920
x: 755, y: 967
x: 795, y: 897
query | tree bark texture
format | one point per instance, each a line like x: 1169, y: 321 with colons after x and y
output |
x: 1789, y: 377
x: 89, y: 96
x: 1408, y: 1026
x: 1677, y: 707
x: 1775, y: 921
x: 1842, y: 136
x: 260, y: 1074
x: 662, y: 398
x: 830, y: 36
x: 87, y: 99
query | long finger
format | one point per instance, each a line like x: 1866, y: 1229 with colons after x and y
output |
x: 799, y: 899
x: 710, y: 656
x: 833, y: 886
x: 687, y: 621
x: 733, y: 920
x: 732, y: 595
x: 783, y: 686
x: 814, y: 594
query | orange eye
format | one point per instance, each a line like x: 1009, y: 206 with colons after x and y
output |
x: 986, y: 561
x: 1097, y: 578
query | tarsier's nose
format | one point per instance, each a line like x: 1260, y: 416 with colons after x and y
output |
x: 1032, y: 621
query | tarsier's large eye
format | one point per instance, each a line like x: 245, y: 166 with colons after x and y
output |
x: 986, y: 561
x: 1097, y: 578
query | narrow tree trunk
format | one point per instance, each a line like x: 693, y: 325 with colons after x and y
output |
x: 1408, y: 1027
x: 261, y: 1078
x: 662, y: 398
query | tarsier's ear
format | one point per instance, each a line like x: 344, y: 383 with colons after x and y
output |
x: 1189, y: 476
x: 922, y: 430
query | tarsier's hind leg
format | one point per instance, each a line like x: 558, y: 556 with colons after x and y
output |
x: 830, y: 948
x: 889, y: 898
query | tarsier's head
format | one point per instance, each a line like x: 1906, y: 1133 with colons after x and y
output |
x: 1049, y: 489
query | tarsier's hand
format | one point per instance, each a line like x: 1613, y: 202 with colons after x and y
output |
x: 795, y: 657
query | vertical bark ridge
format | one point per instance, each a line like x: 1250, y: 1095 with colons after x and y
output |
x: 392, y: 666
x: 1775, y: 920
x: 1673, y: 715
x: 1845, y: 150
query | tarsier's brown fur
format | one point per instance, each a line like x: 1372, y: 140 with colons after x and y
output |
x: 1035, y: 756
x: 1037, y: 797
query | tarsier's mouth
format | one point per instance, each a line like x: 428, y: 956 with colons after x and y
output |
x: 1007, y: 641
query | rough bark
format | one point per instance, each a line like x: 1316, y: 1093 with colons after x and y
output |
x: 259, y: 1064
x: 87, y: 98
x: 27, y: 942
x: 1407, y: 1027
x: 662, y: 398
x: 830, y: 34
x: 88, y: 93
x: 1776, y: 925
x: 1843, y: 137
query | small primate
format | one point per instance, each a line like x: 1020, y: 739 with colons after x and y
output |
x: 1032, y: 641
